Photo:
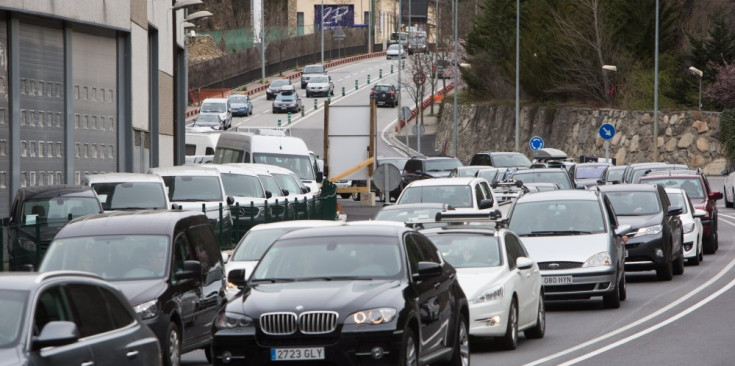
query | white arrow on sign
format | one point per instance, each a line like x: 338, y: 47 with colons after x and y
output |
x: 607, y: 131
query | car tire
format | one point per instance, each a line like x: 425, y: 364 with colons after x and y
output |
x: 710, y: 243
x: 461, y: 346
x: 172, y: 346
x: 539, y: 329
x: 345, y: 195
x: 208, y: 354
x: 623, y: 288
x: 679, y: 263
x: 728, y: 204
x: 612, y: 300
x: 509, y: 340
x: 665, y: 272
x: 409, y: 349
x: 274, y: 111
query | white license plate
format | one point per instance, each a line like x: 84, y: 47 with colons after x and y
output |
x: 287, y: 354
x: 558, y: 280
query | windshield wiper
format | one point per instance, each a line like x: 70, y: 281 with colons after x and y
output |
x: 556, y: 233
x: 272, y: 280
x: 336, y: 278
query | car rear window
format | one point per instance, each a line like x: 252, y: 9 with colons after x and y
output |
x: 313, y: 70
x: 628, y: 203
x: 692, y: 186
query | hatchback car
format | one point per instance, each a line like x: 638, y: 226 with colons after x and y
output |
x: 638, y: 172
x: 656, y: 240
x: 696, y: 184
x: 129, y: 191
x: 503, y: 285
x: 395, y: 51
x: 240, y: 105
x: 287, y: 101
x: 374, y: 293
x: 46, y: 208
x: 275, y: 87
x: 167, y: 264
x: 219, y: 107
x: 575, y: 238
x: 310, y: 71
x: 464, y: 194
x: 590, y: 174
x: 320, y: 85
x: 384, y: 94
x: 691, y: 224
x: 501, y: 159
x: 423, y: 167
x: 70, y: 318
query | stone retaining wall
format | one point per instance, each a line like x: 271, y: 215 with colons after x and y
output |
x: 688, y: 137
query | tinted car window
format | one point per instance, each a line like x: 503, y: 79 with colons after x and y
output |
x: 634, y: 203
x: 560, y: 178
x: 255, y: 242
x: 242, y: 185
x: 467, y: 251
x: 442, y: 164
x: 11, y: 302
x: 193, y: 188
x: 692, y: 186
x: 428, y: 249
x: 89, y: 310
x: 119, y: 313
x: 542, y: 217
x: 457, y: 196
x: 51, y: 306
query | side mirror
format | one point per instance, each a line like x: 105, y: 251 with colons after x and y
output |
x: 494, y: 215
x: 284, y: 192
x: 699, y: 213
x: 192, y: 270
x: 319, y: 177
x: 419, y: 172
x: 428, y: 270
x: 268, y: 194
x: 724, y: 172
x: 237, y: 277
x: 486, y: 203
x: 305, y: 189
x: 56, y: 333
x: 675, y: 210
x: 27, y: 268
x: 230, y: 200
x: 176, y: 206
x: 623, y: 230
x: 715, y: 195
x: 600, y: 182
x: 524, y: 263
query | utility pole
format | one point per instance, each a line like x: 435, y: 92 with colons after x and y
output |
x: 262, y: 41
x: 655, y: 94
x: 321, y: 28
x: 518, y: 75
x: 455, y: 71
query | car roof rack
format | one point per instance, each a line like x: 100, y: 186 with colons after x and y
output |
x: 265, y: 131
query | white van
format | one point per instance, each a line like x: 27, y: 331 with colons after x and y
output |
x: 200, y: 146
x: 285, y: 151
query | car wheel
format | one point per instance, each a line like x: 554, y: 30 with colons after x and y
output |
x: 539, y: 329
x: 710, y: 242
x: 409, y: 350
x: 208, y: 354
x: 461, y: 349
x: 345, y: 195
x: 355, y: 196
x: 694, y: 260
x: 612, y: 300
x: 623, y: 288
x: 679, y: 263
x: 172, y: 348
x: 665, y: 272
x: 510, y: 339
x: 728, y: 204
x: 274, y: 111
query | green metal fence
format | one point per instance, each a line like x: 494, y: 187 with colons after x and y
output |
x: 240, y: 39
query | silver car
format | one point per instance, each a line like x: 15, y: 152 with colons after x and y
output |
x: 576, y: 240
x: 288, y: 101
x: 320, y: 85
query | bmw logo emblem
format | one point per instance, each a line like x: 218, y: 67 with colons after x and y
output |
x: 299, y: 308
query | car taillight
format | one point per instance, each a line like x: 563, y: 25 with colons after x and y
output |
x: 391, y: 94
x: 372, y: 92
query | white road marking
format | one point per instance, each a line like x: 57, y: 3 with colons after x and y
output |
x: 636, y: 323
x: 720, y: 219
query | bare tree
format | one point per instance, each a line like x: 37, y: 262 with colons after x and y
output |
x: 417, y: 64
x: 279, y: 35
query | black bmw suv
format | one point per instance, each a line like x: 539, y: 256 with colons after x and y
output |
x: 384, y: 94
x: 366, y: 293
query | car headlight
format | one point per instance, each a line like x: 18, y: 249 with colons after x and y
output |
x: 147, y: 309
x: 228, y: 320
x: 649, y: 230
x: 27, y: 244
x: 495, y: 293
x: 598, y: 260
x: 688, y: 227
x: 372, y: 316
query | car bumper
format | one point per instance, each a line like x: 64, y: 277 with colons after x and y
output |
x: 586, y: 282
x: 707, y: 227
x: 489, y: 319
x: 642, y: 253
x: 691, y: 242
x: 352, y: 348
x: 286, y: 109
x: 318, y: 92
x: 240, y: 111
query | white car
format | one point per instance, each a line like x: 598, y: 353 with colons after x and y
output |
x: 247, y: 190
x: 129, y: 191
x: 502, y: 284
x: 395, y: 51
x: 471, y: 195
x: 728, y: 191
x: 691, y: 224
x: 256, y: 241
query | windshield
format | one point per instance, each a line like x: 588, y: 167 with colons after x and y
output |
x: 214, y: 107
x: 331, y: 257
x: 546, y: 218
x: 529, y: 176
x: 313, y: 70
x: 457, y: 196
x: 615, y: 174
x: 279, y: 83
x: 12, y: 305
x: 589, y: 171
x: 638, y: 173
x: 400, y: 214
x: 131, y: 195
x: 270, y: 184
x: 394, y: 47
x: 207, y: 118
x: 442, y: 165
x: 634, y: 203
x: 379, y: 88
x: 287, y: 182
x: 242, y: 185
x: 299, y: 164
x: 238, y: 99
x: 286, y: 96
x: 256, y: 242
x: 467, y: 172
x: 692, y: 186
x: 490, y: 174
x: 58, y: 209
x: 677, y: 199
x: 468, y: 251
x: 193, y: 188
x: 511, y: 160
x: 112, y: 257
x: 319, y: 79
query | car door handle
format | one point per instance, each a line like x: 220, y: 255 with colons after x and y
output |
x: 436, y: 285
x: 88, y: 363
x: 132, y: 354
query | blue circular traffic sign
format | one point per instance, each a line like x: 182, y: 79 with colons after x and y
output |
x: 536, y: 143
x: 607, y: 131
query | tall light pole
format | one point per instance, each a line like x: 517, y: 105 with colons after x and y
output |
x: 321, y: 28
x: 518, y: 75
x: 400, y: 57
x: 262, y: 41
x: 455, y: 71
x: 655, y: 93
x: 699, y: 74
x: 611, y: 68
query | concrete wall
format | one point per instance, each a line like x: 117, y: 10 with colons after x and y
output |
x: 108, y: 14
x: 688, y: 137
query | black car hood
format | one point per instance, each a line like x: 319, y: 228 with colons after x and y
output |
x: 10, y: 356
x: 637, y: 222
x: 318, y: 295
x: 138, y: 292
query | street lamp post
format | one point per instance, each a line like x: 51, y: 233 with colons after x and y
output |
x: 518, y: 75
x: 611, y: 68
x: 455, y: 71
x: 699, y: 74
x: 655, y: 93
x: 321, y: 29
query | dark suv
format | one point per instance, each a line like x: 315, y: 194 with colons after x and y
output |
x: 43, y: 210
x: 70, y: 318
x: 424, y: 167
x: 657, y: 236
x: 384, y: 94
x: 501, y: 159
x: 697, y: 186
x: 167, y: 264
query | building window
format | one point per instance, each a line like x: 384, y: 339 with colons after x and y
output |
x: 300, y: 23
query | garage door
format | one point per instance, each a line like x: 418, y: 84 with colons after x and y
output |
x: 4, y: 125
